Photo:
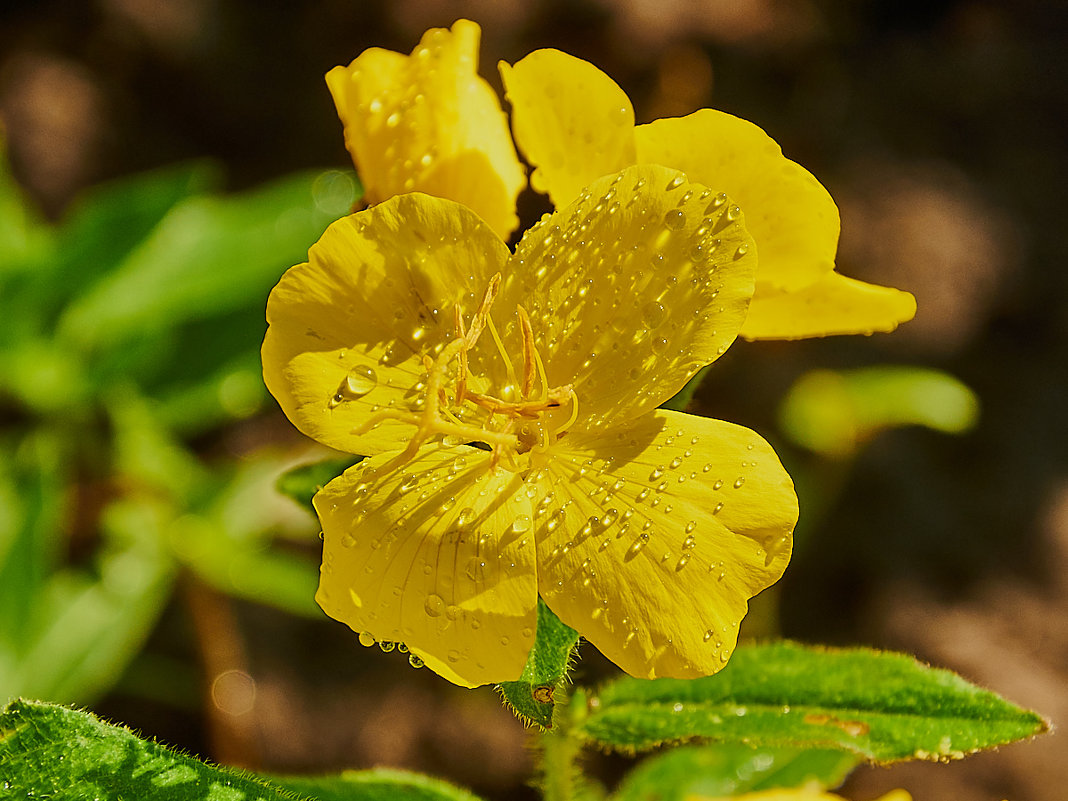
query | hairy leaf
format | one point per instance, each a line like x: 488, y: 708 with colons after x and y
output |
x: 881, y: 706
x: 532, y: 696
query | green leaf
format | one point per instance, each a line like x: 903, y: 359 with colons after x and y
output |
x: 87, y: 628
x: 881, y: 706
x: 24, y: 237
x: 105, y: 225
x: 33, y: 474
x: 228, y: 541
x: 834, y: 412
x: 730, y: 769
x: 63, y: 754
x: 301, y: 483
x: 380, y: 784
x: 532, y: 697
x: 208, y: 256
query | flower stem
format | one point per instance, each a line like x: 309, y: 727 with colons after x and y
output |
x: 561, y: 778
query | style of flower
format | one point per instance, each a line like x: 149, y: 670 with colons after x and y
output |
x: 508, y: 407
x: 573, y: 123
x: 427, y: 122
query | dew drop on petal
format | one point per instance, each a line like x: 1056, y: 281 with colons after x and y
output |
x: 359, y: 381
x: 654, y: 313
x: 415, y: 661
x: 387, y: 645
x: 366, y: 639
x: 434, y: 605
x: 674, y: 220
x: 465, y: 518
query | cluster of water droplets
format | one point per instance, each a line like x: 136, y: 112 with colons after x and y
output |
x: 625, y: 277
x: 394, y: 121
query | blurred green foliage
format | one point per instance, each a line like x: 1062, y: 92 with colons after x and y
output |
x: 130, y: 328
x: 835, y: 412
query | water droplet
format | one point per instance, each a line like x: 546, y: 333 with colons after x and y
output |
x: 674, y: 220
x: 387, y: 645
x: 653, y: 313
x: 709, y: 635
x: 741, y: 251
x: 366, y: 639
x: 434, y: 605
x: 415, y: 661
x: 738, y: 482
x: 656, y: 473
x: 676, y: 182
x: 610, y: 517
x: 521, y: 524
x: 676, y: 462
x: 733, y: 213
x: 717, y: 508
x: 677, y: 707
x: 453, y: 655
x: 402, y: 647
x: 718, y: 483
x: 360, y: 380
x: 347, y: 541
x: 691, y: 526
x: 465, y: 518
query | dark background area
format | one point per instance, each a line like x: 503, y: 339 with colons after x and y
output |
x: 938, y: 127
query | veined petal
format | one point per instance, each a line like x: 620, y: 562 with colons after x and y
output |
x: 656, y: 535
x: 571, y: 121
x: 631, y: 289
x: 348, y: 330
x: 789, y: 213
x: 833, y: 305
x: 427, y: 122
x: 435, y: 553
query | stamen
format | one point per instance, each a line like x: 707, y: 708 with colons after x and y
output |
x: 541, y: 375
x: 529, y: 368
x: 461, y: 376
x: 559, y: 431
x: 503, y: 353
x: 482, y: 315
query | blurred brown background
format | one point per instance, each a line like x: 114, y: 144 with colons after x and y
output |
x: 939, y: 127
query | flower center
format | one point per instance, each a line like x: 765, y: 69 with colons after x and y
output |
x: 515, y: 428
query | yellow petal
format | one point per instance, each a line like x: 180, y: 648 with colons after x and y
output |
x: 833, y: 305
x: 642, y: 281
x: 348, y: 330
x: 428, y: 123
x: 790, y: 215
x: 571, y: 121
x: 656, y: 534
x: 435, y: 553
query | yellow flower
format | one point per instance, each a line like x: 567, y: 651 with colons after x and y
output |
x: 508, y: 407
x: 806, y: 793
x: 573, y: 123
x: 427, y: 122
